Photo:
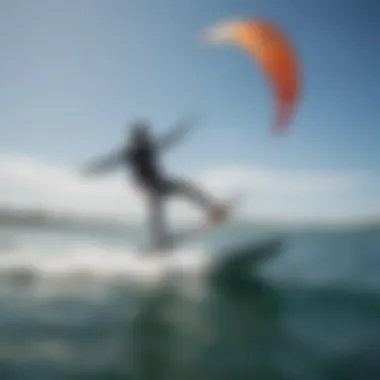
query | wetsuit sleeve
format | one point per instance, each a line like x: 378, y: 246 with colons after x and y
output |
x: 106, y: 163
x: 175, y: 135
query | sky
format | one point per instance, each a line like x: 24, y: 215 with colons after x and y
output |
x: 73, y: 74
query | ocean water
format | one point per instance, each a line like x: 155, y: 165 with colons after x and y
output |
x: 86, y: 305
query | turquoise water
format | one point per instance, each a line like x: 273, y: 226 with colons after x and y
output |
x: 84, y: 305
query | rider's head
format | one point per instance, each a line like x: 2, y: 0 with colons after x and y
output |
x: 140, y: 131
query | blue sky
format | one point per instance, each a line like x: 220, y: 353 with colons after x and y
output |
x: 73, y: 73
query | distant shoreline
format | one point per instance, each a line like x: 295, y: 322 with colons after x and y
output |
x: 10, y: 216
x: 43, y: 219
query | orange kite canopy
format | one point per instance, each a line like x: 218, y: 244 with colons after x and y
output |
x: 272, y: 51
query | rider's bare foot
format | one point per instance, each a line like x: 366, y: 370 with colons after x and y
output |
x: 217, y: 214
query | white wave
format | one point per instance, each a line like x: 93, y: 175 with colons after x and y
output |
x: 71, y: 264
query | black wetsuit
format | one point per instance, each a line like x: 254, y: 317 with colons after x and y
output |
x: 143, y: 161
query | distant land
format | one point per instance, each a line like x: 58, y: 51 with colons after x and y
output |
x: 17, y: 217
x: 11, y: 216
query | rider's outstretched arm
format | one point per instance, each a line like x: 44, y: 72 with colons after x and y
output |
x: 176, y: 134
x: 104, y: 164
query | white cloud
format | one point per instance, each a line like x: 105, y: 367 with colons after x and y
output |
x: 25, y: 182
x: 281, y: 182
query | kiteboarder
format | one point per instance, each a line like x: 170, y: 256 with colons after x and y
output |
x: 141, y: 153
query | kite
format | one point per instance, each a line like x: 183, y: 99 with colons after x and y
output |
x: 272, y: 51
